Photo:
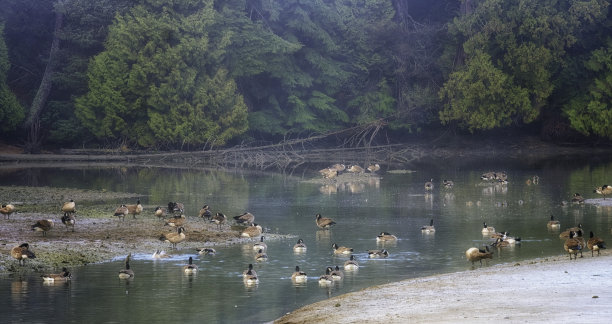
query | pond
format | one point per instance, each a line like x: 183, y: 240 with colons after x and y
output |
x: 395, y: 203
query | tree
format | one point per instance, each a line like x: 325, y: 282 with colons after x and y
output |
x: 11, y: 112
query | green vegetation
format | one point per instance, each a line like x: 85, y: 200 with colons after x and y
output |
x: 199, y: 74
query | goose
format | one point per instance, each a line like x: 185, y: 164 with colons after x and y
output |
x: 261, y: 256
x: 126, y: 273
x: 206, y: 251
x: 205, y: 212
x: 341, y: 249
x: 260, y: 245
x: 249, y: 269
x: 65, y: 275
x: 174, y: 238
x: 190, y: 268
x: 373, y: 168
x: 351, y: 264
x: 510, y: 239
x: 43, y: 225
x: 488, y: 176
x: 577, y: 199
x: 245, y: 218
x: 565, y: 234
x: 500, y: 242
x: 378, y: 253
x: 474, y: 254
x: 385, y: 237
x: 336, y: 273
x: 595, y: 243
x: 218, y: 219
x: 429, y: 185
x: 22, y: 253
x: 160, y: 255
x: 69, y: 207
x: 326, y: 279
x: 134, y: 209
x: 324, y: 222
x: 121, y: 212
x: 176, y: 207
x: 339, y: 167
x: 573, y: 245
x: 448, y: 184
x: 428, y: 228
x: 299, y: 247
x: 7, y: 210
x: 160, y: 212
x: 603, y: 190
x: 252, y: 231
x: 250, y: 277
x: 328, y: 173
x: 68, y: 219
x: 355, y: 169
x: 176, y: 221
x: 298, y: 275
x: 553, y: 223
x: 486, y: 229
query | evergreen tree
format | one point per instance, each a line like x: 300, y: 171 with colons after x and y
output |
x: 11, y: 112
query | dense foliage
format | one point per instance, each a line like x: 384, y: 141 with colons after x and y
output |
x: 196, y: 74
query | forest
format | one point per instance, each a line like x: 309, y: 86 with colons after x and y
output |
x: 204, y: 74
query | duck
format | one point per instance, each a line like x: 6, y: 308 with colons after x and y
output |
x: 218, y: 219
x: 428, y: 228
x: 336, y: 273
x: 176, y: 207
x: 577, y: 199
x: 160, y: 255
x: 126, y: 273
x: 250, y: 277
x: 326, y: 279
x: 22, y: 253
x: 299, y: 247
x: 378, y: 253
x: 43, y: 225
x: 351, y: 264
x: 249, y: 270
x: 121, y: 212
x: 487, y: 230
x: 328, y: 173
x: 245, y: 218
x: 474, y: 254
x: 190, y: 268
x: 341, y: 249
x: 7, y: 210
x: 373, y: 168
x: 573, y: 245
x: 429, y: 185
x: 174, y: 238
x: 205, y: 212
x: 355, y: 169
x: 603, y: 190
x: 565, y: 234
x: 65, y: 275
x: 68, y: 219
x: 298, y: 275
x: 324, y: 222
x: 261, y: 256
x: 176, y: 221
x: 260, y: 245
x: 134, y: 209
x: 385, y: 237
x: 206, y: 251
x: 160, y: 212
x: 553, y: 223
x: 252, y: 231
x: 595, y: 243
x: 69, y: 207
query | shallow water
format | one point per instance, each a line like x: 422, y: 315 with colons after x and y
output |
x: 397, y: 203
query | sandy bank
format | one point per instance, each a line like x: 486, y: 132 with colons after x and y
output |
x: 537, y: 291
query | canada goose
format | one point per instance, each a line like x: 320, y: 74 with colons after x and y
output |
x: 488, y: 176
x: 448, y: 184
x: 176, y: 221
x: 573, y: 245
x: 69, y: 207
x: 373, y: 168
x: 603, y: 190
x: 500, y: 242
x: 190, y: 268
x: 126, y: 273
x: 565, y: 234
x: 252, y: 231
x: 378, y: 253
x: 341, y: 249
x: 218, y: 219
x: 43, y: 225
x: 486, y: 229
x: 245, y: 273
x: 595, y: 243
x: 68, y: 219
x: 160, y: 255
x: 174, y: 238
x: 428, y: 228
x: 159, y: 212
x: 385, y: 237
x: 351, y: 264
x: 324, y: 222
x: 121, y: 212
x: 250, y: 277
x: 299, y: 246
x: 474, y: 254
x: 299, y: 276
x: 205, y: 212
x: 328, y: 173
x: 7, y: 210
x: 355, y: 169
x: 207, y: 251
x: 260, y: 245
x: 22, y: 253
x: 65, y: 275
x: 577, y: 199
x: 134, y: 209
x: 336, y: 273
x: 245, y: 218
x: 261, y: 256
x: 501, y: 176
x: 553, y: 223
x: 338, y: 167
x: 176, y: 207
x: 510, y: 239
x: 429, y: 185
x: 326, y: 279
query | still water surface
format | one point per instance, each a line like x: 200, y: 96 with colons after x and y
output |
x: 397, y: 203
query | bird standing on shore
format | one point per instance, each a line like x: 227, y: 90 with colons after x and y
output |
x: 69, y: 207
x: 22, y: 253
x: 174, y: 238
x: 43, y: 225
x: 160, y: 212
x: 573, y: 245
x: 121, y: 212
x: 205, y: 212
x: 474, y: 254
x: 245, y: 218
x: 7, y: 210
x: 68, y: 219
x: 603, y: 190
x: 218, y: 219
x: 134, y: 209
x: 595, y: 243
x: 373, y: 168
